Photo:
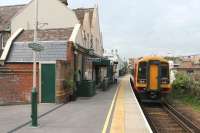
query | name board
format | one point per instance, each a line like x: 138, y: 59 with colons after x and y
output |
x: 36, y: 47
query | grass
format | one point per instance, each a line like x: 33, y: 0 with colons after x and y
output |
x: 186, y: 90
x: 193, y: 101
x: 186, y: 99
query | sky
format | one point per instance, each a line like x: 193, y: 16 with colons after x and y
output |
x: 145, y: 27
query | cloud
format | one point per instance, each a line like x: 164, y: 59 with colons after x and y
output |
x: 141, y: 27
x: 154, y: 27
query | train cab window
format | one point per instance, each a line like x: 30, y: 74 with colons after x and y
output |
x: 164, y: 73
x: 142, y: 70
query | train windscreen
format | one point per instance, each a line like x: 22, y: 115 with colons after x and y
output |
x: 164, y: 73
x: 142, y: 70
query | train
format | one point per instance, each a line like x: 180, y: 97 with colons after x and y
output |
x: 151, y: 78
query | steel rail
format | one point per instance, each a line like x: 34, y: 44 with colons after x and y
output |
x: 184, y: 122
x: 151, y: 123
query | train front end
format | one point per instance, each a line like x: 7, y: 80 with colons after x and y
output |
x: 152, y: 80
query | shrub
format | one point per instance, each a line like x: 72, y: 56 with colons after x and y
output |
x: 182, y: 82
x: 186, y: 84
x: 186, y: 88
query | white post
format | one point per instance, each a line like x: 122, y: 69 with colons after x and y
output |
x: 35, y: 41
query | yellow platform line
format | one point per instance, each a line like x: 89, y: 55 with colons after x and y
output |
x: 118, y: 121
x: 105, y: 127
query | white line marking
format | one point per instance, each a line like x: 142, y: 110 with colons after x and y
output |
x: 146, y: 122
x: 110, y: 111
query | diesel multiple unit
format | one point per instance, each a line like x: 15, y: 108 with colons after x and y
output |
x: 151, y: 77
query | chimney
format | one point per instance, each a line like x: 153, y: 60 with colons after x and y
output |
x: 64, y: 2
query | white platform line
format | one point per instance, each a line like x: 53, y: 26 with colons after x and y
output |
x: 142, y: 113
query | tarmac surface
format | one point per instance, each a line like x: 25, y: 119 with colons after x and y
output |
x: 115, y: 110
x: 16, y: 115
x: 85, y: 115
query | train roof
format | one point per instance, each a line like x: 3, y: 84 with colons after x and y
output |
x: 148, y: 58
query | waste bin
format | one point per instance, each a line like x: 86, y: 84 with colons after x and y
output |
x: 105, y: 84
x: 86, y: 88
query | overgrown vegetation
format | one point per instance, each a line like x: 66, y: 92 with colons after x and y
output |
x: 186, y: 89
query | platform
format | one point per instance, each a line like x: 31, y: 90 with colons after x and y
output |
x: 127, y: 116
x: 115, y: 110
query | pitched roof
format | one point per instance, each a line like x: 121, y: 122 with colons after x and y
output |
x: 53, y: 50
x: 46, y: 35
x: 6, y: 14
x: 80, y: 13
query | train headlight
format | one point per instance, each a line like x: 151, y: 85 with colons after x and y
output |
x: 142, y: 81
x: 164, y: 81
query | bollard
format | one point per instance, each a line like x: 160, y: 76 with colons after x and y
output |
x: 34, y: 108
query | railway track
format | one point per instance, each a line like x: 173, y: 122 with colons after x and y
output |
x: 163, y: 118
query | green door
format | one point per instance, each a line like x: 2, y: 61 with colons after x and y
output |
x: 48, y: 83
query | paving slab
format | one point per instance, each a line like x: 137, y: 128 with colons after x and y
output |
x: 128, y: 116
x: 86, y: 115
x: 15, y: 115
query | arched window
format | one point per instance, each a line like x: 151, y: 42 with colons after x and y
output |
x: 91, y: 42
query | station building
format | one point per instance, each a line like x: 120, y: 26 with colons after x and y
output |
x: 72, y: 43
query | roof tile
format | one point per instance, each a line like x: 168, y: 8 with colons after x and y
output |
x: 80, y: 13
x: 6, y: 14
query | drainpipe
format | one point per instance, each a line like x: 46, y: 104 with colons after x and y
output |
x: 75, y: 74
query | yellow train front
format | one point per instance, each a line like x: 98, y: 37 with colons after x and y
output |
x: 151, y: 77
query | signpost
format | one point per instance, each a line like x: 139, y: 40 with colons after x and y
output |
x: 36, y: 48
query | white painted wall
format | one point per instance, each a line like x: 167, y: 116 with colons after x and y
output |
x: 114, y: 57
x: 52, y: 12
x: 86, y: 30
x: 95, y: 31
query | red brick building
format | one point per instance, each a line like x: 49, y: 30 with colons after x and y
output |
x: 65, y: 52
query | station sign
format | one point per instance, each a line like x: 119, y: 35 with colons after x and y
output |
x: 36, y: 47
x: 94, y: 59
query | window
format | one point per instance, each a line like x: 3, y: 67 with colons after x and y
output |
x: 142, y: 70
x: 190, y: 71
x: 91, y: 41
x: 1, y: 41
x: 97, y: 44
x: 84, y: 37
x: 164, y: 71
x: 88, y: 40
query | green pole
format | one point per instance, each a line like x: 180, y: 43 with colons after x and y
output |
x: 34, y: 108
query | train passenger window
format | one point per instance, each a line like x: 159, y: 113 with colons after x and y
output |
x: 142, y: 70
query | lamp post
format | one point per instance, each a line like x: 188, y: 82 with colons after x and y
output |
x: 36, y: 48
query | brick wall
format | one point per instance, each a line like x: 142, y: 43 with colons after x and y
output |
x: 16, y: 83
x: 64, y: 73
x: 16, y: 80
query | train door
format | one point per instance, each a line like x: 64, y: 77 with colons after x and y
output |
x: 154, y: 73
